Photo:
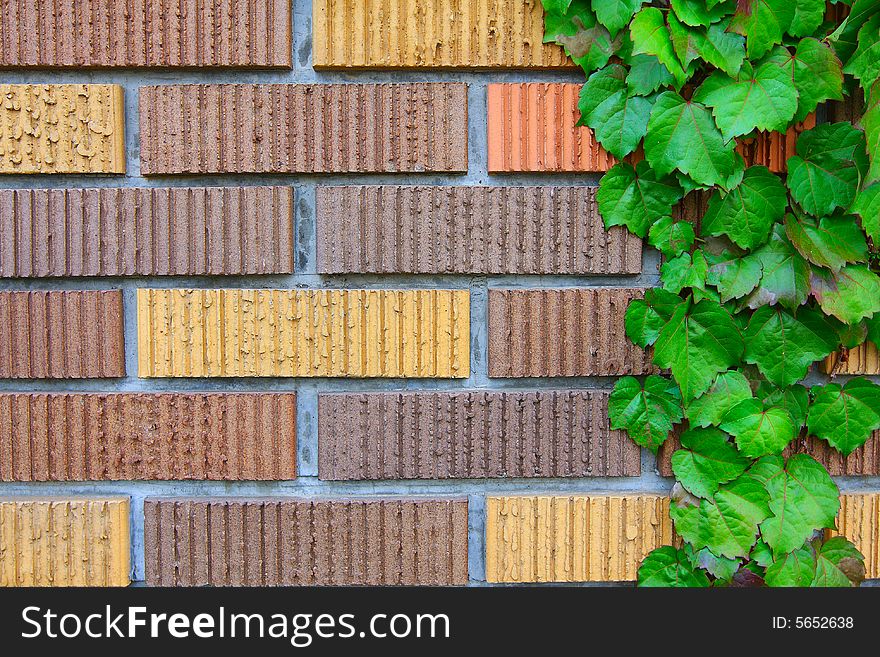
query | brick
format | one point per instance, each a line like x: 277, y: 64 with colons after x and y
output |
x: 294, y: 542
x: 64, y: 542
x: 859, y: 521
x: 91, y: 33
x: 864, y: 359
x: 577, y: 538
x: 480, y: 230
x: 355, y: 333
x: 432, y: 34
x: 471, y: 435
x: 861, y: 462
x: 62, y: 128
x: 562, y: 332
x: 772, y: 149
x: 303, y: 128
x: 533, y: 127
x: 61, y: 335
x: 171, y: 231
x: 139, y: 436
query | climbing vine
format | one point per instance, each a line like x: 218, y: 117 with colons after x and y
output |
x: 779, y: 272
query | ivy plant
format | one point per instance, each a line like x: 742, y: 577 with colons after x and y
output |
x: 779, y: 272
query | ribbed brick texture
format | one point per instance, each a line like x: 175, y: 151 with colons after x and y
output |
x: 359, y: 333
x: 475, y: 434
x: 61, y: 335
x: 138, y: 436
x: 772, y: 149
x: 533, y: 127
x: 864, y: 359
x: 431, y: 33
x: 64, y: 542
x: 146, y: 231
x: 290, y: 542
x: 859, y: 521
x: 145, y: 33
x: 61, y: 128
x: 578, y: 538
x: 481, y: 230
x: 292, y: 128
x: 564, y: 332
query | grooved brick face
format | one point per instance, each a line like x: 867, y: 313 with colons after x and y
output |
x: 146, y: 231
x: 61, y: 335
x: 564, y: 332
x: 146, y: 33
x: 302, y: 128
x: 291, y: 542
x: 137, y: 436
x: 864, y: 359
x: 64, y: 542
x: 431, y: 34
x: 62, y: 128
x: 577, y: 538
x: 472, y: 434
x: 355, y: 333
x: 489, y: 230
x: 859, y: 521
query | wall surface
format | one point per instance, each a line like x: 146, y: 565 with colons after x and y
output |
x: 514, y: 365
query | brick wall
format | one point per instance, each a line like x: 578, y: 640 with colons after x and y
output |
x: 326, y: 274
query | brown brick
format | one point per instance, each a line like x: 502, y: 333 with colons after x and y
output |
x: 471, y: 435
x: 289, y: 542
x: 302, y: 128
x: 146, y: 231
x: 77, y: 33
x: 564, y: 332
x: 61, y: 335
x: 481, y: 230
x: 772, y: 149
x: 137, y: 436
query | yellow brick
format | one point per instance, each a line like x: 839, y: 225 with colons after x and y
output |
x: 353, y: 333
x: 64, y: 542
x: 432, y: 33
x: 62, y: 128
x: 864, y: 359
x: 581, y: 538
x: 859, y: 521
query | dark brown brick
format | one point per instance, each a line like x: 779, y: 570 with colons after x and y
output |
x: 564, y: 332
x: 172, y: 231
x: 138, y: 436
x: 104, y: 33
x: 61, y: 335
x: 481, y: 230
x: 471, y: 435
x: 293, y: 128
x: 290, y: 542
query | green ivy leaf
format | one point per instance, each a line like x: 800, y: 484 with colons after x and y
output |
x: 684, y: 271
x: 795, y: 568
x: 697, y: 343
x: 785, y: 277
x: 748, y: 211
x: 871, y: 126
x: 619, y: 121
x: 719, y: 567
x: 682, y: 135
x: 727, y: 524
x: 826, y: 172
x: 864, y: 65
x: 668, y: 567
x: 784, y: 346
x: 808, y: 15
x: 650, y: 36
x: 648, y: 414
x: 616, y: 15
x: 763, y: 23
x: 867, y: 206
x: 761, y: 554
x: 830, y: 242
x: 845, y: 416
x: 646, y: 75
x: 728, y: 390
x: 794, y: 400
x: 734, y: 276
x: 759, y: 97
x: 817, y: 75
x: 874, y: 329
x: 670, y: 237
x: 803, y: 498
x: 839, y: 564
x: 643, y: 323
x: 636, y: 197
x: 697, y: 12
x: 850, y: 295
x: 759, y: 431
x: 584, y: 39
x: 845, y: 37
x: 556, y: 6
x: 707, y: 460
x: 715, y: 45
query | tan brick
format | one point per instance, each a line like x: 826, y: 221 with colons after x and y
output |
x: 859, y: 521
x: 864, y: 359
